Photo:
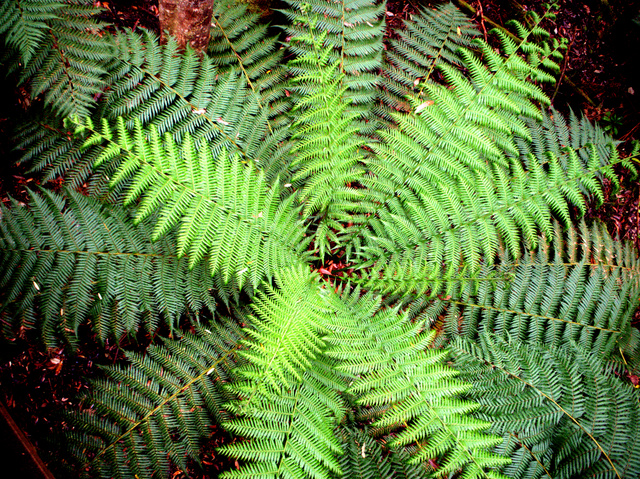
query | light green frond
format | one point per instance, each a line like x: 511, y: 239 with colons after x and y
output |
x: 418, y: 394
x: 288, y: 401
x: 222, y: 208
x: 353, y: 30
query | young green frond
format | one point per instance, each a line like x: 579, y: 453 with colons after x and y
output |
x: 288, y: 401
x: 353, y: 33
x: 416, y: 393
x: 222, y: 208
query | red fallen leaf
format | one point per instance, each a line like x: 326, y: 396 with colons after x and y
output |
x: 635, y: 380
x: 446, y: 298
x: 433, y: 464
x: 324, y: 271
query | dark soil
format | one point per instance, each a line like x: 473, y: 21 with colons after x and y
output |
x: 601, y: 76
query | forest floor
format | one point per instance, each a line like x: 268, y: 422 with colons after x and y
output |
x: 600, y: 77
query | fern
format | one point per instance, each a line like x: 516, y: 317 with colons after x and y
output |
x: 68, y: 66
x: 160, y: 410
x: 431, y: 39
x: 69, y: 260
x: 354, y: 31
x: 561, y: 413
x: 357, y: 210
x: 224, y: 209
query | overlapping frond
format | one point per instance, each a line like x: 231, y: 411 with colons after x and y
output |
x: 156, y: 411
x: 561, y: 413
x: 222, y: 208
x: 431, y: 38
x: 68, y: 260
x: 239, y: 40
x: 412, y: 391
x: 327, y: 151
x: 23, y: 24
x: 288, y: 401
x: 354, y: 30
x: 68, y: 65
x: 581, y: 286
x: 365, y: 458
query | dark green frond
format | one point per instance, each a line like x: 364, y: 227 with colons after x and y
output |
x: 69, y: 65
x: 23, y: 24
x: 580, y: 286
x: 240, y: 41
x: 561, y: 413
x: 157, y: 411
x: 70, y: 260
x: 432, y: 38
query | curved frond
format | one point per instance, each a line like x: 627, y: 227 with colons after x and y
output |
x: 70, y: 260
x: 158, y: 410
x: 222, y: 208
x: 562, y: 415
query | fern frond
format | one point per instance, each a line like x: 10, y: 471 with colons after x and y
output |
x: 581, y: 287
x: 354, y: 30
x: 238, y: 39
x: 418, y: 394
x: 157, y: 410
x: 327, y: 149
x: 223, y: 209
x: 288, y: 392
x: 69, y: 66
x: 561, y: 413
x: 71, y: 260
x: 23, y: 24
x: 430, y: 39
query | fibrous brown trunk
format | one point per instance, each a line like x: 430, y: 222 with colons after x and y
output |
x: 189, y: 21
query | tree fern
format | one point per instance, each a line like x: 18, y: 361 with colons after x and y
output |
x: 157, y: 410
x: 561, y: 413
x: 358, y: 247
x: 69, y: 260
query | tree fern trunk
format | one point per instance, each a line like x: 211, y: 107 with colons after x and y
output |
x: 189, y: 21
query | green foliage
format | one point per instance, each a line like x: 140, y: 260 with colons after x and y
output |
x: 561, y: 412
x: 160, y: 410
x: 69, y: 259
x: 390, y: 230
x: 62, y: 49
